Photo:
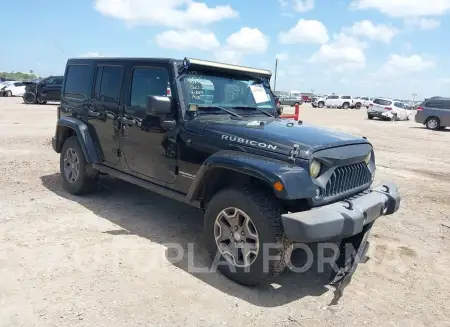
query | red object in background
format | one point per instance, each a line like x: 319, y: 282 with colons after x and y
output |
x: 387, y: 108
x: 296, y: 115
x: 306, y: 98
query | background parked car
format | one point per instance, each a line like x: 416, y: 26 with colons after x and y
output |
x: 48, y: 89
x: 387, y: 109
x: 12, y: 88
x: 434, y: 113
x: 291, y: 101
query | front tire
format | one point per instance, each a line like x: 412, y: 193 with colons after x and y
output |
x: 78, y: 177
x: 345, y: 106
x: 370, y: 117
x: 8, y: 93
x: 320, y: 105
x: 358, y: 106
x: 243, y: 231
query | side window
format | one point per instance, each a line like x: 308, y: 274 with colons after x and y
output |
x: 446, y: 104
x: 108, y: 83
x: 148, y: 81
x: 399, y: 105
x: 434, y: 104
x: 18, y: 84
x: 58, y: 81
x: 78, y: 80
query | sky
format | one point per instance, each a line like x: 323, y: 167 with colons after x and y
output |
x: 392, y: 48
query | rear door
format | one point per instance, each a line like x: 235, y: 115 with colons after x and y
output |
x: 439, y: 108
x: 105, y: 106
x: 50, y: 89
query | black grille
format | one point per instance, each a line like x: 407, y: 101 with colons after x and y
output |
x: 347, y: 178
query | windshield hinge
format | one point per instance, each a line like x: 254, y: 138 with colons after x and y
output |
x: 294, y: 153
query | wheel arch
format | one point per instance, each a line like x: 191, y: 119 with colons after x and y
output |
x: 231, y: 168
x: 69, y: 126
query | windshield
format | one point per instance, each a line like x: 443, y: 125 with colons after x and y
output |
x: 231, y: 92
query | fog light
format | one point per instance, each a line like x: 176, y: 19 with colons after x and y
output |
x: 314, y: 169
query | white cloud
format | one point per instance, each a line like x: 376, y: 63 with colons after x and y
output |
x: 245, y: 41
x: 283, y: 56
x: 402, y: 64
x: 444, y: 80
x: 187, y: 39
x: 306, y: 31
x: 344, y: 52
x: 91, y: 54
x: 172, y: 13
x: 229, y: 56
x: 383, y: 33
x: 423, y: 23
x: 405, y: 8
x: 248, y: 40
x: 298, y: 5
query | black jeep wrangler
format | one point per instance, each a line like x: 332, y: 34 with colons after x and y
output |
x: 208, y: 134
x: 41, y: 91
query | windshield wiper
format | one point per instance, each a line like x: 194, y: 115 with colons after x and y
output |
x: 254, y: 108
x: 223, y: 109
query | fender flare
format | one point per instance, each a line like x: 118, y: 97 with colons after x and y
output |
x: 83, y: 134
x: 296, y: 180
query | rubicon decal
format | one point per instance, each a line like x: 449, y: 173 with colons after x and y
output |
x: 248, y: 142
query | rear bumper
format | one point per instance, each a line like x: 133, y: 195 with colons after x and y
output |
x: 342, y: 219
x: 420, y: 118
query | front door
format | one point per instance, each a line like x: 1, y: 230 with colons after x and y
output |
x: 149, y: 148
x: 104, y: 110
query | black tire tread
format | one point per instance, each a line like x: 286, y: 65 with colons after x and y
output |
x: 270, y: 209
x: 89, y: 175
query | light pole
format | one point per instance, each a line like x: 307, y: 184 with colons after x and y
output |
x: 414, y: 96
x: 275, y: 77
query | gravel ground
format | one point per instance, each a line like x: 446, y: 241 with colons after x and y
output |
x: 101, y: 260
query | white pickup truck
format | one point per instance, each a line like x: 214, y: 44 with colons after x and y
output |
x: 337, y: 101
x: 365, y: 101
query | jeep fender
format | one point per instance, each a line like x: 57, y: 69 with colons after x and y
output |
x: 296, y: 180
x: 83, y: 133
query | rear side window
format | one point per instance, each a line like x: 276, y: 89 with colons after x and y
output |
x: 346, y: 97
x: 399, y: 105
x: 77, y: 80
x: 382, y: 102
x: 19, y: 84
x: 108, y: 83
x: 439, y: 104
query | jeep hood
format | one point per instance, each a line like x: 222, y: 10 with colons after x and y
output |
x: 277, y: 135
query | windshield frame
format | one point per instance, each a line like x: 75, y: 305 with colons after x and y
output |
x: 237, y: 75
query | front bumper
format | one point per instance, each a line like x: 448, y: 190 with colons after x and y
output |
x: 342, y: 219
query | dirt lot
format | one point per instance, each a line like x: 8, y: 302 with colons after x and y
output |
x: 100, y: 260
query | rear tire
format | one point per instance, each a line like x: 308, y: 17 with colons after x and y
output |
x: 78, y: 177
x: 8, y: 94
x: 370, y: 117
x: 29, y: 98
x: 265, y: 216
x: 345, y: 105
x: 358, y: 106
x: 433, y: 123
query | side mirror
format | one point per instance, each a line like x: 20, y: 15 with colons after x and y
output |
x: 159, y: 105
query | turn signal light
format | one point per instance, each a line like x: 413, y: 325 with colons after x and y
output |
x: 278, y: 186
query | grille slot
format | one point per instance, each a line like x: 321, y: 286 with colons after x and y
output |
x: 346, y: 179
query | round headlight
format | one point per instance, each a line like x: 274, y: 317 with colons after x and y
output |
x: 314, y: 169
x: 367, y: 159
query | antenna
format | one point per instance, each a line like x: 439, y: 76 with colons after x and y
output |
x: 56, y: 42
